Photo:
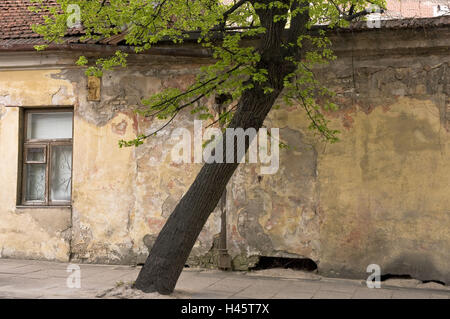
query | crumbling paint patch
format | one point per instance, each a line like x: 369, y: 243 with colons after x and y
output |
x: 243, y: 262
x: 120, y: 128
x: 38, y: 241
x: 5, y: 100
x: 60, y: 96
x: 35, y: 88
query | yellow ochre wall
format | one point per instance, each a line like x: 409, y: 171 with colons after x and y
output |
x: 379, y: 196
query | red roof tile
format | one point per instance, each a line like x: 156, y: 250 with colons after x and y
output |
x: 16, y: 19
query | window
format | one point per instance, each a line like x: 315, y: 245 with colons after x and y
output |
x: 47, y: 157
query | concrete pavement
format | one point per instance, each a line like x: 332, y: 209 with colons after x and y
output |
x: 42, y: 279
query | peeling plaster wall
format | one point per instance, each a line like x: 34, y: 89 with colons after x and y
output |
x: 37, y: 233
x: 384, y: 190
x: 380, y: 195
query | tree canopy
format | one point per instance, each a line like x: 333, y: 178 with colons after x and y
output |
x: 220, y: 26
x: 277, y: 65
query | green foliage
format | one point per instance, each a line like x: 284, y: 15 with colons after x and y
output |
x: 41, y: 47
x: 82, y: 60
x: 139, y: 140
x: 220, y: 28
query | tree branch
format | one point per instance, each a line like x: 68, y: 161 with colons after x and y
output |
x: 350, y: 16
x: 223, y: 115
x: 236, y: 6
x: 355, y: 15
x: 201, y: 85
x: 101, y: 6
x: 162, y: 127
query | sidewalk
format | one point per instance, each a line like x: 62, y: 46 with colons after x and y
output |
x: 41, y: 279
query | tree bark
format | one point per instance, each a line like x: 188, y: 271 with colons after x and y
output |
x: 176, y: 239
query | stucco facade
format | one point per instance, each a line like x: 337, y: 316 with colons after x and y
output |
x: 379, y: 196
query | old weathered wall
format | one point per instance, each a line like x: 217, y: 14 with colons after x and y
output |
x: 120, y: 196
x: 380, y: 195
x: 41, y: 233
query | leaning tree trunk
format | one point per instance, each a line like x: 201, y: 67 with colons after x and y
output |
x: 176, y: 239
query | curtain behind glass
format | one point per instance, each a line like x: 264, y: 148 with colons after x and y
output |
x: 49, y: 125
x: 61, y: 173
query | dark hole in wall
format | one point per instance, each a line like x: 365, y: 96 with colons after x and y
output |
x: 435, y: 281
x: 394, y: 276
x: 287, y: 263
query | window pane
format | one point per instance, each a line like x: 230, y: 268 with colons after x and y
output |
x: 35, y: 185
x: 35, y: 154
x: 49, y: 125
x: 61, y: 174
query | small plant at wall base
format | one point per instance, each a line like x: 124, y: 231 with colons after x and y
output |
x: 279, y: 67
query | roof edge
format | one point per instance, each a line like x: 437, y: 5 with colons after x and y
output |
x: 72, y: 42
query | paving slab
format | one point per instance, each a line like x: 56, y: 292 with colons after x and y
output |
x: 44, y: 280
x: 408, y: 294
x: 230, y: 285
x: 196, y: 283
x: 258, y: 291
x: 24, y: 269
x: 294, y: 287
x: 341, y: 288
